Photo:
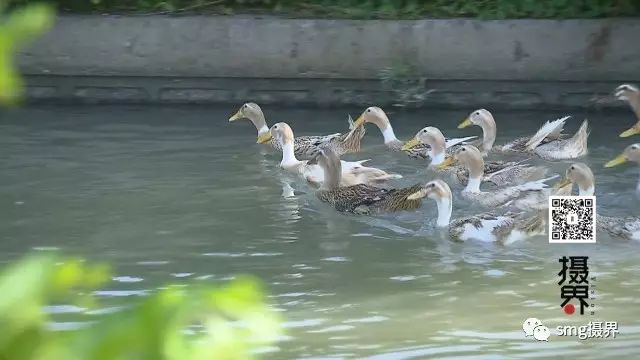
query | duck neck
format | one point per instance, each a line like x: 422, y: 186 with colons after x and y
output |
x: 473, y: 185
x: 444, y: 211
x: 586, y: 189
x: 476, y: 171
x: 586, y: 192
x: 436, y: 157
x: 634, y: 102
x: 288, y: 155
x: 488, y: 134
x: 332, y: 176
x: 260, y: 123
x: 263, y: 129
x: 437, y: 151
x: 389, y: 135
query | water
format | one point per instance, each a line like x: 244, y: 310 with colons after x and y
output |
x: 180, y: 195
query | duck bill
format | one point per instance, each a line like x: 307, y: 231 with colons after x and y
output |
x: 447, y: 163
x: 359, y: 122
x: 410, y: 144
x: 630, y: 132
x: 620, y: 159
x: 466, y: 123
x: 562, y: 183
x: 236, y: 116
x: 264, y: 138
x: 418, y: 195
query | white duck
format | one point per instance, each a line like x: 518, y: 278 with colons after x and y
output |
x: 469, y: 157
x: 488, y: 227
x: 377, y: 116
x: 547, y: 142
x: 353, y: 172
x: 499, y: 173
x: 304, y: 147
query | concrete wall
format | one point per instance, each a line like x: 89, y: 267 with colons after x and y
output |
x: 313, y: 92
x: 187, y: 59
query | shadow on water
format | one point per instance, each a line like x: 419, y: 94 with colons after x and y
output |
x: 179, y: 194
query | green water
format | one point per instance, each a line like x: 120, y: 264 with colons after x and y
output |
x: 181, y: 195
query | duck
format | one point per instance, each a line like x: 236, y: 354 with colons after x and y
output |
x: 305, y: 147
x: 361, y: 199
x: 581, y: 175
x: 620, y: 227
x: 486, y: 227
x: 630, y: 94
x: 469, y: 157
x: 377, y: 116
x: 547, y: 143
x: 540, y: 200
x: 630, y: 153
x: 499, y: 173
x: 353, y: 172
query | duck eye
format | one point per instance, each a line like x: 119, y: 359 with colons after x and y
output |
x: 463, y: 149
x: 368, y: 110
x: 424, y: 131
x: 477, y: 113
x: 245, y: 106
x: 572, y: 167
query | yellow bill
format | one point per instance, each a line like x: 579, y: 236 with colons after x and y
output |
x: 410, y: 144
x: 264, y: 138
x: 359, y: 122
x: 562, y: 183
x: 448, y: 162
x: 620, y: 159
x: 236, y: 116
x: 466, y: 123
x: 630, y: 132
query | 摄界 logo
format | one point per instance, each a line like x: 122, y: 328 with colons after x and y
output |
x: 574, y: 284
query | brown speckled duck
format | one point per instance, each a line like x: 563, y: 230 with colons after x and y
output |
x: 360, y: 199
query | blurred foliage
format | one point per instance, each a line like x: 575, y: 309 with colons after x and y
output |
x: 177, y: 322
x: 17, y: 28
x: 386, y: 9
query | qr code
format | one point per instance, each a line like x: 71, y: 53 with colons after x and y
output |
x: 572, y: 219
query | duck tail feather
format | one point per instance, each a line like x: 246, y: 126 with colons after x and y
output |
x: 550, y: 128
